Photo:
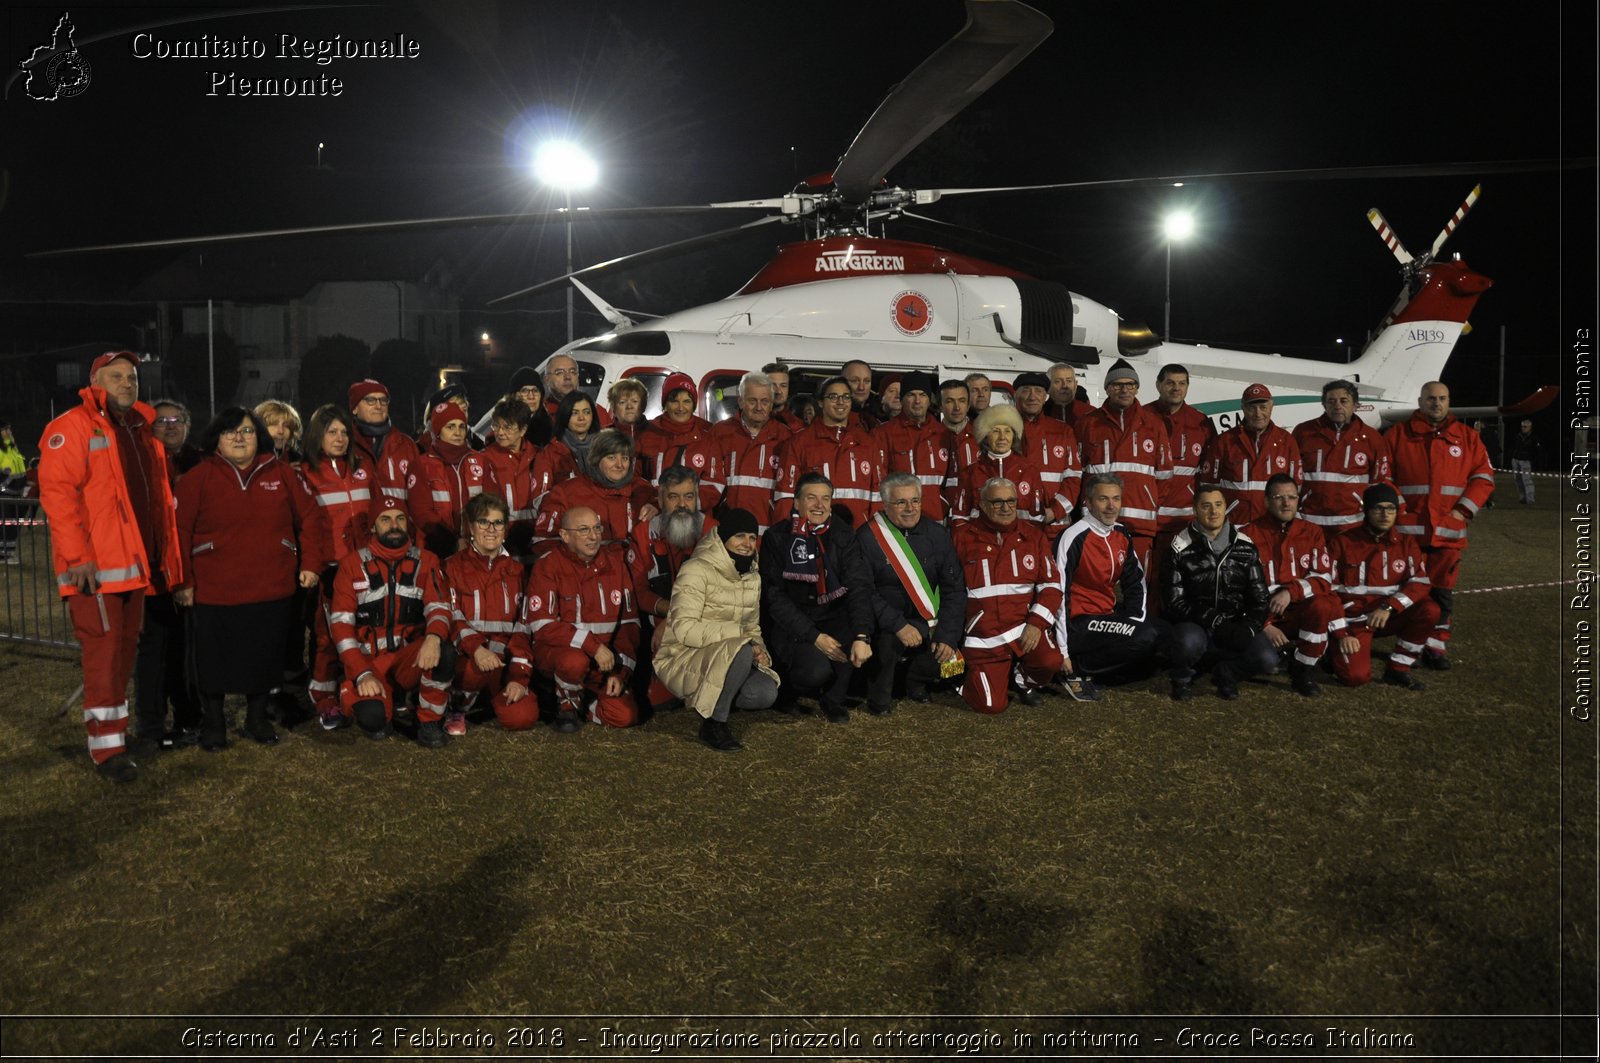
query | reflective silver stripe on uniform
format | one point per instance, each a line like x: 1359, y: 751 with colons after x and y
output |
x: 537, y: 624
x: 854, y: 493
x: 1042, y: 613
x: 1413, y: 489
x: 322, y: 686
x: 1132, y: 511
x: 441, y: 496
x: 499, y: 627
x: 1175, y: 511
x: 936, y: 481
x: 412, y: 591
x: 1451, y: 533
x: 333, y: 498
x: 111, y: 575
x: 1405, y: 603
x: 289, y: 543
x: 341, y: 618
x: 376, y: 594
x: 1121, y: 466
x: 200, y: 548
x: 1242, y: 485
x: 1451, y: 489
x: 347, y: 644
x: 1360, y: 588
x: 523, y: 514
x: 98, y: 442
x: 1334, y: 477
x: 1326, y: 521
x: 1185, y: 470
x: 1305, y: 586
x: 111, y: 741
x: 999, y: 589
x: 602, y: 628
x: 1408, y: 529
x: 1002, y: 639
x: 114, y: 712
x: 1469, y: 505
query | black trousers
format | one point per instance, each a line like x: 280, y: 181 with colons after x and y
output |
x: 159, y: 675
x: 887, y: 654
x: 806, y: 671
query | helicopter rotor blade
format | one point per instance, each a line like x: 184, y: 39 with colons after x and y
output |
x: 998, y: 35
x: 1332, y: 173
x: 639, y: 258
x: 559, y: 214
x: 1390, y: 238
x: 989, y: 243
x: 1455, y: 219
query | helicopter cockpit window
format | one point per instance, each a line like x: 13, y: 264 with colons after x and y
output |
x: 591, y: 378
x: 719, y: 399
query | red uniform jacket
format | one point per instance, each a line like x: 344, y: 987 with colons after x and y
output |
x: 1054, y: 448
x: 1011, y: 581
x: 666, y: 443
x: 1293, y: 556
x: 584, y: 606
x: 1036, y: 503
x: 748, y: 466
x: 1133, y: 444
x: 1437, y: 469
x: 653, y: 562
x: 1371, y: 570
x: 384, y: 600
x: 789, y: 419
x: 1189, y: 432
x: 1337, y: 467
x: 396, y: 472
x: 248, y: 534
x: 486, y: 609
x: 849, y: 457
x: 926, y: 451
x: 85, y: 497
x: 1241, y: 462
x: 618, y: 507
x: 511, y: 477
x: 446, y: 480
x: 344, y: 495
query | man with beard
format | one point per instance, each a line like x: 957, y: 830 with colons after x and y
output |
x: 103, y: 483
x: 919, y: 598
x: 391, y: 623
x: 657, y: 548
x: 745, y: 449
x: 389, y: 454
x: 585, y: 627
x: 1013, y: 597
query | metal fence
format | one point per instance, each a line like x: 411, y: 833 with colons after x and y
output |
x: 31, y: 610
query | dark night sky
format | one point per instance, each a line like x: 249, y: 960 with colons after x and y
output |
x: 690, y: 102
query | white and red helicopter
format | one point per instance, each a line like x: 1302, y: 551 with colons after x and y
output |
x: 850, y: 292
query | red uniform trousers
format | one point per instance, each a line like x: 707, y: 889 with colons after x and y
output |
x: 1410, y: 628
x: 1444, y: 566
x: 987, y: 687
x: 575, y: 672
x: 325, y: 668
x: 397, y: 670
x: 1306, y: 621
x: 516, y: 715
x: 107, y: 626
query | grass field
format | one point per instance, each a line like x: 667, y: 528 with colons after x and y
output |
x: 1372, y: 852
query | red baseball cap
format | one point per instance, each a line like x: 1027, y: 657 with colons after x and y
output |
x: 111, y: 356
x: 675, y: 381
x: 1256, y: 393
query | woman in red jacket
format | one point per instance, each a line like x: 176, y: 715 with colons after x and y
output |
x: 449, y: 475
x: 999, y: 428
x: 610, y: 486
x: 249, y: 526
x: 485, y: 604
x: 343, y: 489
x: 574, y: 429
x: 675, y: 437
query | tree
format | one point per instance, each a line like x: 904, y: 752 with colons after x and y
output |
x: 329, y: 368
x: 403, y: 367
x: 188, y: 370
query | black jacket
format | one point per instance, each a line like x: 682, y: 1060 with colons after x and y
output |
x: 1199, y: 587
x: 891, y: 605
x: 789, y: 609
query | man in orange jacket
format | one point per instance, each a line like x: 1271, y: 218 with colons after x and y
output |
x: 103, y: 482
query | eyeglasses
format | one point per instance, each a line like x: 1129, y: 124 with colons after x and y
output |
x: 526, y: 391
x: 1123, y: 385
x: 169, y: 421
x: 1001, y: 503
x: 915, y: 501
x: 375, y: 400
x: 843, y: 397
x: 490, y: 525
x: 243, y: 433
x: 588, y: 529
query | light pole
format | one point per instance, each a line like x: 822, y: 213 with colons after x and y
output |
x: 320, y: 146
x: 1178, y: 225
x: 565, y: 166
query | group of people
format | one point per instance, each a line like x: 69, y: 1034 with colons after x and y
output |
x: 585, y: 564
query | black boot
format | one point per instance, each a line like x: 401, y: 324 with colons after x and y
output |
x: 213, y: 726
x: 256, y: 724
x: 719, y: 736
x: 1303, y: 677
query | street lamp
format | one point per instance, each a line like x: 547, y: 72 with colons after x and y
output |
x: 565, y: 166
x: 1179, y: 225
x: 320, y: 146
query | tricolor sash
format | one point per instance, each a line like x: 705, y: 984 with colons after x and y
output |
x: 904, y: 561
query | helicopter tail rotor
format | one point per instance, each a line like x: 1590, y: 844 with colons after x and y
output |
x: 1455, y: 219
x: 1390, y: 238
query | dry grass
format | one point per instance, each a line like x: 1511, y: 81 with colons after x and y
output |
x: 1372, y: 852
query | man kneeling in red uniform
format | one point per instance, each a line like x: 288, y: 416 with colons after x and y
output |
x: 391, y: 628
x: 1294, y: 558
x: 585, y: 625
x: 1382, y: 579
